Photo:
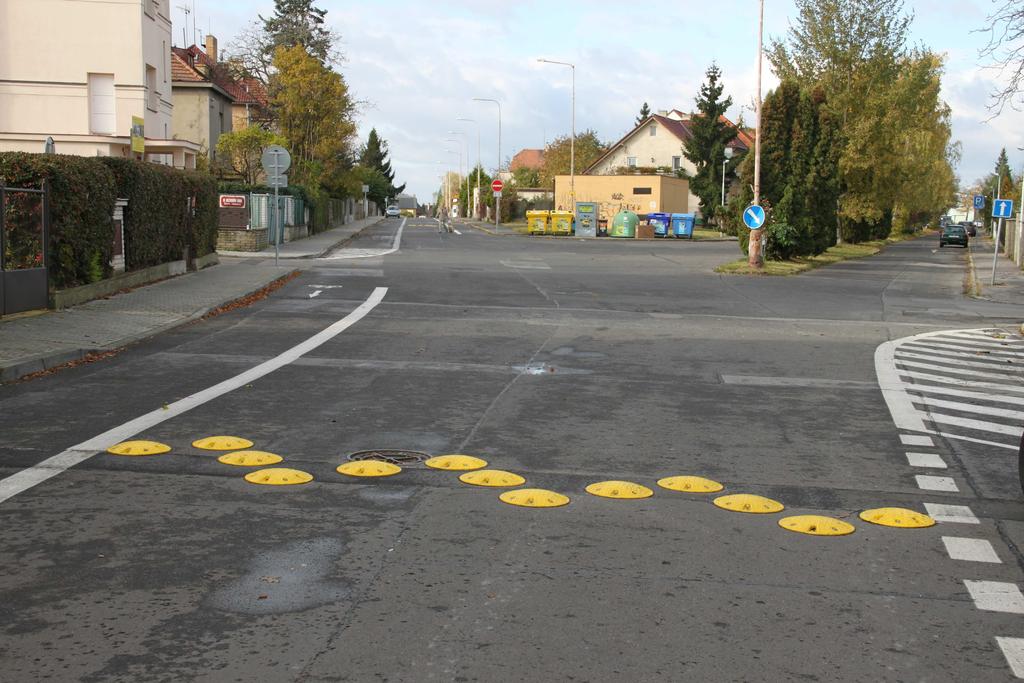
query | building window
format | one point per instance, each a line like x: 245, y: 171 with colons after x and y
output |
x: 631, y: 162
x: 641, y: 190
x: 653, y: 130
x: 152, y: 96
x: 102, y: 104
x: 676, y: 163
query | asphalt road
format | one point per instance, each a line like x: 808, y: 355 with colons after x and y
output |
x: 568, y: 362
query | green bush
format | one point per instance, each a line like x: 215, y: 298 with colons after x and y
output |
x: 82, y: 194
x: 167, y: 210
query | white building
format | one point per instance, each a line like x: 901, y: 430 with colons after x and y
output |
x: 84, y: 72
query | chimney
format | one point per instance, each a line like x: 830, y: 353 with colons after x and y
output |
x: 211, y: 48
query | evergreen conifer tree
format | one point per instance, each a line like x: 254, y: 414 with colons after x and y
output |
x: 706, y: 146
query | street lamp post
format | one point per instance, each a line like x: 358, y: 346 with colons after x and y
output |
x: 449, y: 151
x: 465, y: 143
x: 476, y: 204
x: 497, y: 204
x: 572, y: 140
x: 728, y: 155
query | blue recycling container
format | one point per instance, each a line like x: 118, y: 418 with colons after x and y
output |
x: 682, y: 225
x: 660, y: 222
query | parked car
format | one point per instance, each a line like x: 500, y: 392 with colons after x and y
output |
x: 392, y: 211
x: 971, y: 230
x: 953, y: 234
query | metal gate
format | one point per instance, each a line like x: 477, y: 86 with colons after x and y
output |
x: 24, y: 233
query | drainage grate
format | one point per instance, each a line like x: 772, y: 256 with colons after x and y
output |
x: 398, y: 457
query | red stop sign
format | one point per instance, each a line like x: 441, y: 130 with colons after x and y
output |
x: 497, y: 185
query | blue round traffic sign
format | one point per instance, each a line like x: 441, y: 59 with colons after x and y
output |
x: 753, y: 217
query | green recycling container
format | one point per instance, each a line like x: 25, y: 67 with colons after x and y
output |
x: 624, y: 224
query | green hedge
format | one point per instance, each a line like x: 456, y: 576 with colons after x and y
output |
x: 167, y: 210
x: 82, y: 194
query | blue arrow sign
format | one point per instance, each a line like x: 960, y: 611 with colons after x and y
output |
x: 753, y: 217
x: 1002, y: 208
x: 979, y: 201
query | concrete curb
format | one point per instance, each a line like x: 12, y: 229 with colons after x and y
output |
x: 602, y: 239
x: 21, y: 367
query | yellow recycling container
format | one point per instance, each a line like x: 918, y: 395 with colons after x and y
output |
x: 537, y: 222
x: 561, y: 223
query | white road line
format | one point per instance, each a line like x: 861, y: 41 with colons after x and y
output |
x: 915, y: 440
x: 996, y: 365
x: 1013, y: 650
x: 926, y: 460
x: 996, y: 596
x: 316, y: 293
x: 54, y: 465
x: 981, y: 336
x: 931, y: 351
x: 967, y: 348
x: 928, y: 389
x: 928, y: 482
x: 971, y: 439
x: 980, y: 425
x: 368, y: 253
x: 1005, y: 345
x: 456, y: 231
x: 970, y: 407
x: 951, y: 514
x: 903, y: 412
x: 970, y: 550
x: 941, y: 379
x: 955, y: 371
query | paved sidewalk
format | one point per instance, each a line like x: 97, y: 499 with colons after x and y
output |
x: 38, y: 342
x: 1009, y: 286
x: 312, y: 247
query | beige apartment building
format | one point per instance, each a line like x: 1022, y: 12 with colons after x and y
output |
x: 86, y: 72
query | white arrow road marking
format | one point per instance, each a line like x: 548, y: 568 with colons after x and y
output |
x: 456, y: 231
x: 316, y: 293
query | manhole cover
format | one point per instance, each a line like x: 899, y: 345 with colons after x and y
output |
x: 398, y: 457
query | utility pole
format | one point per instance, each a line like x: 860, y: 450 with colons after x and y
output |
x: 476, y: 205
x: 497, y: 203
x: 755, y: 258
x: 572, y: 140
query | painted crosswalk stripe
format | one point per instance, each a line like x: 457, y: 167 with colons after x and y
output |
x: 1013, y: 650
x: 915, y: 440
x: 969, y: 407
x: 946, y: 353
x: 996, y: 596
x: 929, y: 482
x: 943, y: 362
x: 956, y: 371
x: 926, y: 460
x: 951, y: 514
x: 962, y: 393
x: 970, y: 550
x: 955, y: 381
x: 979, y: 425
x: 968, y: 347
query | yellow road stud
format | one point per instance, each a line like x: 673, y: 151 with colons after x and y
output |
x: 496, y: 478
x: 456, y: 463
x: 222, y: 443
x: 534, y: 498
x: 368, y: 468
x: 279, y: 476
x: 748, y: 502
x: 816, y: 525
x: 688, y: 484
x: 901, y: 518
x: 250, y: 458
x: 139, y: 448
x: 619, y: 489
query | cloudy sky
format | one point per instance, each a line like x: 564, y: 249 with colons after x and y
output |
x: 417, y: 66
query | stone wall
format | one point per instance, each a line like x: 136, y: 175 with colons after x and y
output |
x: 242, y: 240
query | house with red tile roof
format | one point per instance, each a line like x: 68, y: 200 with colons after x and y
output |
x: 657, y: 143
x: 210, y: 98
x: 532, y: 159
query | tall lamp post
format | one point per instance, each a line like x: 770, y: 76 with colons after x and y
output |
x: 754, y: 257
x: 451, y: 151
x: 572, y: 140
x: 497, y: 204
x: 465, y: 143
x: 476, y: 204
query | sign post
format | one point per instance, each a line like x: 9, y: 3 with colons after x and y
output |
x: 1001, y: 209
x: 497, y: 186
x: 276, y: 160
